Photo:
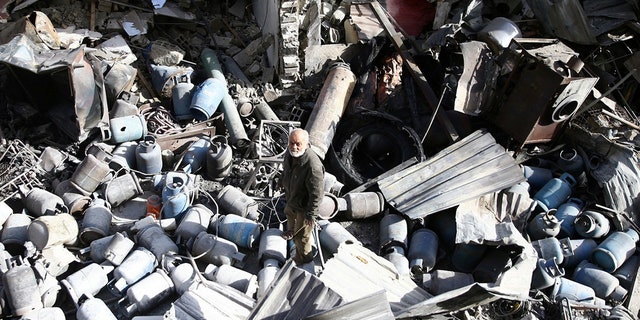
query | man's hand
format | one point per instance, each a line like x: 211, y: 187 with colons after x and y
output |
x: 309, y: 221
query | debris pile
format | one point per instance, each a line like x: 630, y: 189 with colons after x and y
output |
x: 481, y: 158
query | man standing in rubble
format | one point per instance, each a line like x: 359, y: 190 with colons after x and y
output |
x: 303, y: 182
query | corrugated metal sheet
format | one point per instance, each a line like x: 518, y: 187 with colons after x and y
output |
x: 295, y: 294
x: 372, y: 307
x: 211, y: 301
x: 356, y: 272
x: 469, y: 168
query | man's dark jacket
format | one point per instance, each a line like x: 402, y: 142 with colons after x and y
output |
x: 303, y: 182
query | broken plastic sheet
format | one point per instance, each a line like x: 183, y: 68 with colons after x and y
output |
x: 173, y: 10
x: 72, y: 38
x: 366, y: 22
x: 133, y: 25
x: 618, y: 176
x: 115, y: 49
x: 477, y: 78
x: 157, y: 4
x: 487, y: 220
x: 24, y: 53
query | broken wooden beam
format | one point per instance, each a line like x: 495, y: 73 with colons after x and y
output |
x: 415, y: 72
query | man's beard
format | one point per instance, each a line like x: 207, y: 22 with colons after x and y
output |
x: 296, y: 154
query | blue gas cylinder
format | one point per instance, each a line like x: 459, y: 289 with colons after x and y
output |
x: 556, y: 191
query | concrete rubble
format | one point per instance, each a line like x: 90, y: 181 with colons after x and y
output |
x: 481, y: 158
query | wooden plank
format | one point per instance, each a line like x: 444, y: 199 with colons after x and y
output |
x: 92, y: 21
x: 415, y: 72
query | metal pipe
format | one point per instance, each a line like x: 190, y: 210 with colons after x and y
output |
x: 328, y: 109
x: 232, y: 120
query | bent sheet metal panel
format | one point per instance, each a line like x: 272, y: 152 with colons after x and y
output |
x: 474, y: 166
x: 356, y: 272
x: 295, y: 294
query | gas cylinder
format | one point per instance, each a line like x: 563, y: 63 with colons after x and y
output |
x: 97, y: 249
x: 15, y: 232
x: 569, y: 160
x: 572, y: 290
x: 423, y: 251
x: 556, y: 191
x: 545, y: 273
x: 544, y: 224
x: 329, y: 206
x: 21, y: 289
x: 207, y: 97
x: 233, y: 201
x: 118, y: 248
x: 361, y: 205
x: 195, y: 220
x: 615, y: 250
x: 626, y: 274
x: 579, y: 249
x: 87, y: 281
x: 333, y: 234
x: 330, y: 106
x: 604, y: 284
x: 175, y: 199
x: 89, y: 174
x: 125, y: 153
x: 216, y: 250
x: 552, y: 248
x: 47, y: 231
x: 157, y: 241
x: 72, y: 198
x: 96, y: 221
x: 39, y: 202
x: 148, y: 292
x: 537, y: 177
x: 139, y: 263
x: 591, y: 224
x: 272, y: 246
x: 181, y: 95
x: 90, y: 308
x: 122, y: 189
x: 219, y: 158
x: 127, y: 128
x: 395, y: 254
x: 265, y: 278
x: 231, y: 276
x: 184, y: 276
x: 149, y: 155
x: 567, y: 213
x: 393, y: 231
x: 239, y: 230
x: 195, y: 156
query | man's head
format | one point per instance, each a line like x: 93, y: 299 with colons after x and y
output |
x: 298, y: 142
